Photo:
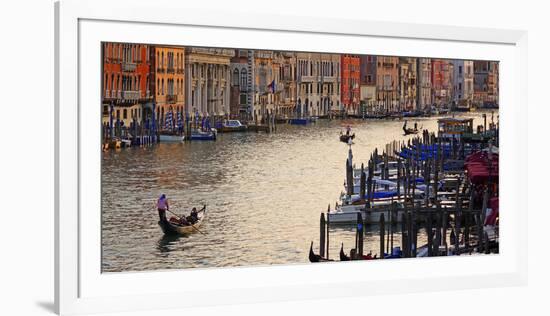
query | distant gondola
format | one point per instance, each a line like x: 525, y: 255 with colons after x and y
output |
x: 313, y: 257
x: 173, y: 228
x: 343, y: 256
x: 346, y: 137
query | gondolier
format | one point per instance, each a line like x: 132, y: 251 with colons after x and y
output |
x: 162, y: 207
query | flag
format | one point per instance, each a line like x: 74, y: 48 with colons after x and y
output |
x: 271, y: 86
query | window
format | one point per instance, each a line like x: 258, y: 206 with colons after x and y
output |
x: 243, y: 79
x: 125, y: 114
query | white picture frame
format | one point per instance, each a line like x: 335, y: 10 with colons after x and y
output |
x: 81, y: 288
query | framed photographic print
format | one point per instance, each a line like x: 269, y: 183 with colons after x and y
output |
x: 250, y: 157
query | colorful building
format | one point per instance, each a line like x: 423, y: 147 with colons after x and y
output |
x: 387, y: 79
x: 169, y: 80
x: 350, y: 77
x: 126, y: 82
x: 240, y: 104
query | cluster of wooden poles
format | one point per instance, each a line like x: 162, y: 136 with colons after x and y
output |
x: 445, y: 213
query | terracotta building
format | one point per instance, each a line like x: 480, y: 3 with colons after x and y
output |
x: 240, y: 86
x: 169, y: 83
x: 350, y: 77
x: 126, y: 82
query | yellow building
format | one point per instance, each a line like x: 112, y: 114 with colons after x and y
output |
x: 169, y: 83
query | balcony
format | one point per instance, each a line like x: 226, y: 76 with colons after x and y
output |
x: 107, y: 94
x: 387, y: 65
x: 171, y: 98
x: 170, y: 70
x: 160, y: 69
x: 128, y: 67
x: 179, y: 71
x: 307, y: 78
x: 130, y: 95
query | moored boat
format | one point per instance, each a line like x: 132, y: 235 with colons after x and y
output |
x: 203, y: 135
x: 233, y: 126
x: 171, y: 138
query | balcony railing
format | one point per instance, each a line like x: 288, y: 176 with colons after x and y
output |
x: 161, y: 69
x: 127, y: 66
x: 170, y: 70
x: 171, y: 98
x: 130, y: 95
x: 179, y: 70
x: 388, y: 65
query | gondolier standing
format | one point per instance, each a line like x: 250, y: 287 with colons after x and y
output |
x: 162, y: 207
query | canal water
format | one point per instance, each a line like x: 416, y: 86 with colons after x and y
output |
x: 264, y: 194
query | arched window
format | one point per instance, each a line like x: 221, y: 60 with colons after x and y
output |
x: 158, y: 86
x: 243, y: 78
x: 112, y: 82
x: 235, y: 80
x: 162, y: 87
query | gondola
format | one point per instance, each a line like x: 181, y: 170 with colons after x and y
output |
x: 171, y: 227
x: 313, y: 257
x: 345, y: 138
x: 343, y: 256
x: 409, y: 131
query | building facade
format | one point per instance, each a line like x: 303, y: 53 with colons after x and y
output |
x: 463, y: 81
x: 238, y: 102
x: 350, y: 77
x: 387, y: 79
x: 284, y: 73
x: 264, y: 85
x: 425, y: 100
x: 442, y: 84
x: 318, y: 84
x: 208, y: 81
x: 368, y: 82
x: 126, y: 82
x: 407, y: 83
x: 169, y: 82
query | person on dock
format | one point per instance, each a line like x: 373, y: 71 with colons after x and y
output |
x: 348, y: 130
x: 162, y: 207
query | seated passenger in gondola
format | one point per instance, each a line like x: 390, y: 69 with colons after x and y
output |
x: 194, y: 216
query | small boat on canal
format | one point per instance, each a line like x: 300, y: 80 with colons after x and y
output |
x: 345, y: 138
x: 233, y: 126
x: 171, y: 138
x: 203, y: 135
x: 173, y: 226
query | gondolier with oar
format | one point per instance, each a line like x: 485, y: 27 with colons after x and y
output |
x: 162, y: 207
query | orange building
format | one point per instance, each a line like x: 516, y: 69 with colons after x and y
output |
x: 350, y: 77
x: 169, y: 82
x: 126, y: 81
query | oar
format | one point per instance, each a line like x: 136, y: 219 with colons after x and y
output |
x: 193, y: 226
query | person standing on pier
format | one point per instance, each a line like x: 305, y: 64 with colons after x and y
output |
x: 162, y: 207
x: 348, y: 130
